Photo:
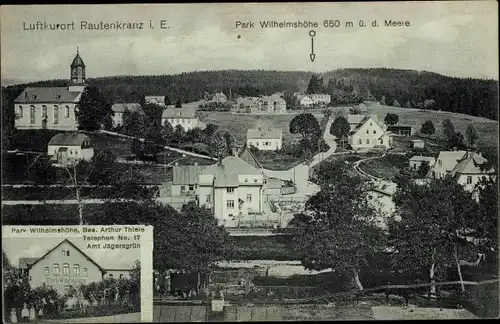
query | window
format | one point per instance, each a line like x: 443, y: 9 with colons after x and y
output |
x: 20, y: 111
x: 257, y: 143
x: 63, y: 252
x: 67, y: 253
x: 231, y: 215
x: 246, y: 179
x: 209, y: 199
x: 56, y: 115
x: 191, y: 187
x: 367, y: 131
x: 230, y: 203
x: 76, y: 270
x: 111, y: 275
x: 469, y: 179
x: 183, y: 188
x: 440, y: 162
x: 360, y: 142
x: 121, y: 276
x: 230, y: 190
x: 370, y: 124
x: 84, y: 272
x: 66, y: 269
x: 255, y: 180
x: 249, y: 198
x: 47, y: 271
x: 55, y: 269
x: 30, y: 278
x: 66, y: 112
x: 44, y: 111
x: 32, y: 114
x: 374, y: 132
x: 367, y: 141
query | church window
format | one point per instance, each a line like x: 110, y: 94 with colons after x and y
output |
x: 20, y: 111
x: 66, y: 269
x: 56, y: 114
x: 32, y: 114
x: 55, y: 269
x: 66, y: 112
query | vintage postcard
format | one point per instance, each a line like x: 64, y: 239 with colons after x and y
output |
x: 61, y: 273
x: 296, y: 161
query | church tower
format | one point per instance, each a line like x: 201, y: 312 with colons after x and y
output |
x: 77, y: 76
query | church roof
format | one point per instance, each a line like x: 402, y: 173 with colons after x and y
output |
x: 56, y: 95
x: 77, y: 61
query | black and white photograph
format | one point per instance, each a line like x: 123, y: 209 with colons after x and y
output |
x: 294, y: 161
x: 66, y: 274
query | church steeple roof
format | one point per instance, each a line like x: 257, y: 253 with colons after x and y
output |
x: 77, y: 61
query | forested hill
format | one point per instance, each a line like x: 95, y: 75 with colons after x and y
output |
x: 407, y: 88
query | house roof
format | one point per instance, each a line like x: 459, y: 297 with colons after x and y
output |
x: 120, y: 107
x: 246, y: 155
x: 449, y: 159
x: 226, y: 173
x: 417, y: 141
x: 77, y: 61
x: 362, y: 122
x: 68, y: 139
x: 185, y: 112
x: 423, y: 158
x: 24, y: 263
x: 55, y: 95
x: 318, y: 94
x: 264, y: 133
x: 55, y: 247
x: 186, y: 174
x: 355, y: 119
x: 400, y: 125
x: 470, y: 165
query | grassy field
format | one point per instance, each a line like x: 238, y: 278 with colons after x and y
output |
x: 273, y: 160
x: 238, y: 124
x: 386, y: 167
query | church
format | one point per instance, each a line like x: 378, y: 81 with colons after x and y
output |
x: 52, y: 107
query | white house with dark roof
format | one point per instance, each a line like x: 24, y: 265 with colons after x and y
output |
x: 155, y: 100
x: 185, y: 178
x: 219, y: 97
x: 233, y: 189
x: 52, y: 107
x: 368, y: 134
x: 305, y: 100
x: 272, y: 104
x: 464, y: 166
x: 67, y: 265
x: 119, y: 108
x: 320, y: 98
x: 66, y: 148
x: 186, y: 117
x: 266, y: 139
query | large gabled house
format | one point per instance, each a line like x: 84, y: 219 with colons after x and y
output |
x: 368, y: 134
x: 233, y: 189
x: 69, y: 148
x: 266, y: 139
x: 466, y: 167
x: 186, y: 117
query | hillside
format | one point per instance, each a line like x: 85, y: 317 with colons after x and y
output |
x: 409, y: 88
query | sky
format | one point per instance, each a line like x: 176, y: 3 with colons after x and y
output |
x: 452, y: 38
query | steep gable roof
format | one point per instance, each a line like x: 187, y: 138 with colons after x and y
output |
x: 226, y: 173
x: 121, y: 107
x: 74, y: 246
x: 185, y: 112
x: 246, y: 155
x: 470, y: 165
x: 364, y: 121
x: 449, y: 159
x: 53, y: 95
x: 69, y: 139
x: 186, y: 174
x: 264, y: 133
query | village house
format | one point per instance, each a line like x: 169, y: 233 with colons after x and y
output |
x: 184, y: 179
x: 119, y: 109
x: 401, y: 129
x: 186, y: 117
x: 368, y: 134
x: 52, y: 107
x: 68, y: 148
x: 155, y: 100
x: 354, y: 119
x: 418, y: 143
x: 219, y: 97
x: 465, y: 167
x: 233, y: 190
x: 266, y: 139
x: 319, y: 98
x: 305, y: 101
x: 65, y: 266
x: 272, y: 104
x: 247, y: 105
x: 417, y: 160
